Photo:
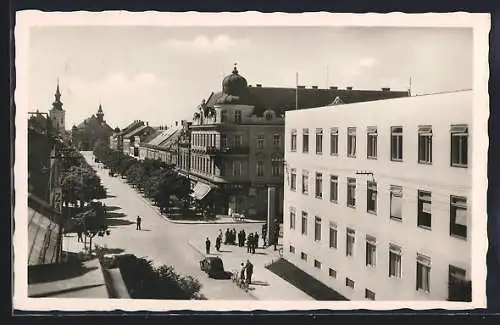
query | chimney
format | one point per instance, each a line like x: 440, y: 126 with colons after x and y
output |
x: 147, y: 123
x: 334, y: 87
x: 386, y: 89
x: 258, y: 85
x: 301, y: 87
x: 249, y: 86
x: 314, y: 87
x: 176, y: 123
x: 348, y: 88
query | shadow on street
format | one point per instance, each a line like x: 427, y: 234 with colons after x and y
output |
x: 112, y: 208
x: 112, y: 222
x: 49, y: 273
x: 116, y: 215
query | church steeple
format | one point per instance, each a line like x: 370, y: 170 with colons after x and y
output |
x: 100, y: 114
x: 57, y: 104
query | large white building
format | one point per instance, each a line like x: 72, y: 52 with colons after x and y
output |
x: 378, y: 196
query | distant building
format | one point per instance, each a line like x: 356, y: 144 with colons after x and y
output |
x: 116, y: 140
x: 57, y: 114
x: 378, y: 197
x: 236, y: 141
x: 87, y: 133
x: 162, y: 145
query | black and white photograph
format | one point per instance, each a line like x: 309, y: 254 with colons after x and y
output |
x: 234, y: 161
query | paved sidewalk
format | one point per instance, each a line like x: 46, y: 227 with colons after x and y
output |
x: 265, y: 284
x: 220, y: 219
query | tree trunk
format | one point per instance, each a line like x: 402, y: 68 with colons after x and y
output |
x: 90, y: 243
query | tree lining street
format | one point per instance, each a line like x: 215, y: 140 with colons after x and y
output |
x: 159, y: 240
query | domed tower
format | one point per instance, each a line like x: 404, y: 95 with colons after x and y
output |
x: 100, y: 114
x: 57, y: 113
x: 234, y: 84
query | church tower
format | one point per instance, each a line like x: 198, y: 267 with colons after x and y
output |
x: 57, y: 113
x: 100, y: 114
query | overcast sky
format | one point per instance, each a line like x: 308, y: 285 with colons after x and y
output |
x: 160, y: 74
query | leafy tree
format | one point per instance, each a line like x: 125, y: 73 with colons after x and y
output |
x: 81, y: 184
x: 92, y: 222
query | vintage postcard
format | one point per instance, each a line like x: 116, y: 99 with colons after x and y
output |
x: 245, y: 161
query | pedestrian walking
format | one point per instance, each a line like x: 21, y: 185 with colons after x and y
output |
x: 207, y: 246
x: 249, y: 243
x: 138, y: 223
x: 256, y: 236
x: 249, y: 272
x: 242, y: 273
x: 264, y: 233
x: 243, y: 237
x: 217, y: 244
x: 220, y: 234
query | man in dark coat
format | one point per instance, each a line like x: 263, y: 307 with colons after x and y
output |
x: 207, y: 246
x: 249, y: 272
x: 243, y: 237
x: 217, y: 243
x: 264, y: 233
x: 138, y: 223
x: 226, y: 238
x: 256, y: 236
x: 249, y: 243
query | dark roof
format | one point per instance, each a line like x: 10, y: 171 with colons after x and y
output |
x: 131, y: 126
x: 138, y: 131
x: 283, y: 99
x: 93, y: 120
x: 43, y: 232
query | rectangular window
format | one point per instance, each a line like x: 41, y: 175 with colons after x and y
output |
x: 351, y: 142
x: 371, y: 251
x: 305, y: 182
x: 303, y: 256
x: 425, y: 145
x: 458, y: 216
x: 318, y: 188
x: 317, y: 264
x: 292, y: 218
x: 459, y: 146
x: 238, y: 141
x: 293, y: 179
x: 424, y: 209
x: 276, y: 140
x: 333, y: 235
x: 397, y: 143
x: 223, y: 116
x: 351, y: 192
x: 317, y: 229
x: 371, y: 150
x: 396, y: 202
x: 369, y: 295
x: 260, y: 141
x: 334, y: 141
x: 394, y: 261
x: 260, y: 169
x: 237, y: 168
x: 350, y: 239
x: 332, y: 273
x: 305, y: 140
x: 459, y: 288
x: 223, y: 141
x: 319, y: 141
x: 334, y: 188
x: 293, y: 140
x: 349, y: 283
x: 237, y: 116
x: 304, y: 223
x: 292, y: 249
x: 423, y: 273
x: 371, y: 197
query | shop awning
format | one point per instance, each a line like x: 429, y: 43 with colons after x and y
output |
x: 200, y: 190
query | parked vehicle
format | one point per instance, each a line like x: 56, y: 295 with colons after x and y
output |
x: 213, y: 266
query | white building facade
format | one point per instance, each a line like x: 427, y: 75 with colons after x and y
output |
x: 378, y: 196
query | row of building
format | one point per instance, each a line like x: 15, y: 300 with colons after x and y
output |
x: 373, y: 187
x: 233, y: 149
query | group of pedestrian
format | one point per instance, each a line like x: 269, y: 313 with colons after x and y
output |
x: 252, y: 242
x: 230, y: 237
x: 241, y: 238
x: 246, y: 272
